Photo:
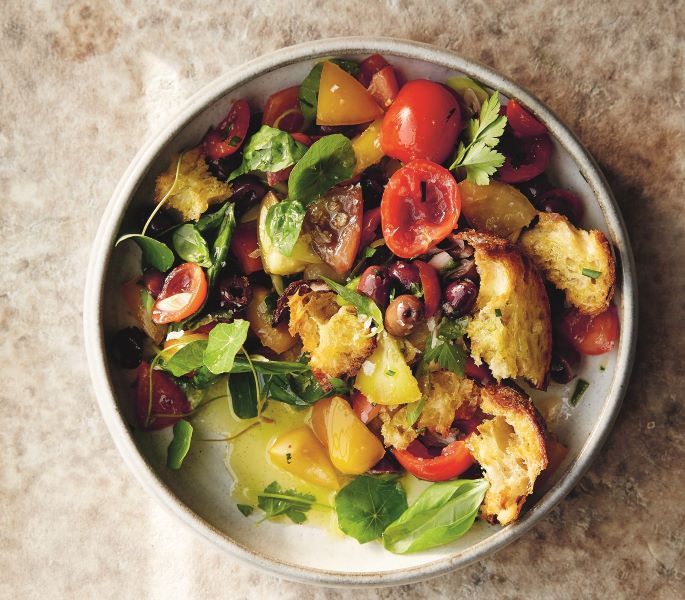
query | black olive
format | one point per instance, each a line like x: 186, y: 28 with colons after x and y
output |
x: 126, y: 347
x: 402, y: 314
x: 460, y: 297
x: 375, y: 283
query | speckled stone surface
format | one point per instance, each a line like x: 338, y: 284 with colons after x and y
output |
x: 83, y: 83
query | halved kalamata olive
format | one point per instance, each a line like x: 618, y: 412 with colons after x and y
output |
x: 460, y: 297
x: 406, y: 274
x: 221, y: 168
x: 153, y: 281
x: 375, y: 283
x: 248, y: 190
x: 565, y: 360
x: 562, y: 202
x: 457, y: 248
x: 126, y: 347
x: 160, y: 223
x: 373, y: 182
x: 464, y: 268
x: 402, y: 314
x: 234, y: 292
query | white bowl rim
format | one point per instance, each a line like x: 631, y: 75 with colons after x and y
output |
x: 115, y: 209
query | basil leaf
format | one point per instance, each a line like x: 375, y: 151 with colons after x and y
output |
x: 212, y: 220
x: 363, y: 304
x: 224, y: 342
x: 283, y: 224
x: 155, y: 253
x: 328, y: 161
x: 367, y: 505
x: 244, y: 396
x: 179, y: 446
x: 442, y: 513
x: 189, y: 358
x: 269, y: 150
x: 275, y: 502
x: 267, y: 367
x: 309, y: 88
x: 191, y: 246
x: 221, y: 245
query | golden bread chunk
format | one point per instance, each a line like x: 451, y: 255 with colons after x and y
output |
x: 396, y: 431
x: 561, y: 251
x: 447, y: 397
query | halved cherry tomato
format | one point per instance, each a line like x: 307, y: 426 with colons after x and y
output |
x: 532, y: 158
x: 423, y: 122
x: 369, y: 67
x: 384, y: 86
x: 451, y: 462
x: 245, y: 247
x: 522, y: 123
x: 430, y: 286
x: 184, y: 291
x: 365, y: 410
x: 371, y: 221
x: 167, y: 404
x: 420, y: 207
x: 282, y: 110
x: 592, y: 335
x: 225, y: 139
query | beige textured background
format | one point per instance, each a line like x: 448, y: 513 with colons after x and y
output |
x: 83, y: 83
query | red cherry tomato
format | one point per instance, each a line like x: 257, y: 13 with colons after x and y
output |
x: 371, y: 221
x: 168, y: 405
x: 225, y: 139
x: 420, y: 207
x: 384, y: 86
x: 184, y: 292
x: 532, y: 160
x: 592, y: 335
x: 423, y: 122
x: 280, y: 103
x: 451, y: 462
x: 430, y: 286
x: 365, y: 410
x: 522, y: 123
x: 245, y: 247
x: 370, y: 67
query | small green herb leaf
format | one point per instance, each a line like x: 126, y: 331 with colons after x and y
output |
x: 155, y: 253
x: 363, y: 304
x: 275, y: 502
x: 189, y: 358
x: 452, y: 329
x: 581, y: 388
x: 191, y: 246
x: 448, y: 355
x: 283, y: 224
x: 211, y: 220
x: 180, y: 444
x: 224, y: 342
x: 221, y: 245
x: 591, y: 273
x: 244, y: 395
x: 367, y: 505
x: 146, y: 301
x: 268, y: 367
x: 245, y: 509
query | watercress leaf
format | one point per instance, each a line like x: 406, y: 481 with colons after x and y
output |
x: 224, y: 342
x: 449, y: 356
x: 275, y: 502
x: 155, y: 253
x: 269, y: 150
x: 245, y: 509
x: 309, y: 88
x: 244, y: 395
x: 363, y: 304
x: 189, y: 358
x: 180, y: 444
x: 190, y: 245
x: 442, y: 513
x: 367, y: 505
x: 327, y: 162
x: 221, y: 245
x: 212, y: 220
x: 452, y: 329
x: 283, y: 224
x: 203, y: 377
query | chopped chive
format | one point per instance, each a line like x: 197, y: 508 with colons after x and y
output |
x: 390, y: 372
x: 234, y: 141
x: 581, y: 388
x: 591, y: 273
x: 498, y: 312
x: 288, y: 457
x: 246, y: 509
x: 602, y: 368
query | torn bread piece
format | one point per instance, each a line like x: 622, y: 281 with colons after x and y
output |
x: 396, y: 430
x: 447, y: 397
x: 577, y: 262
x: 337, y: 339
x: 511, y: 329
x: 510, y: 448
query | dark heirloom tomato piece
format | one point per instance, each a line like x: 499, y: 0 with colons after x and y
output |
x: 225, y: 139
x: 451, y: 462
x: 369, y: 67
x: 529, y: 159
x: 522, y: 123
x: 335, y: 224
x: 245, y: 247
x: 168, y: 405
x: 184, y: 292
x: 420, y: 207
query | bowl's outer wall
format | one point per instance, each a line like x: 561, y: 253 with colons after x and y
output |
x: 211, y: 517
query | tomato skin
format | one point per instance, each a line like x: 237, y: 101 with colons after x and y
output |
x: 303, y: 138
x: 522, y: 123
x: 280, y: 103
x: 430, y: 286
x: 189, y: 284
x: 536, y: 153
x: 167, y: 399
x: 384, y: 87
x: 592, y: 335
x: 244, y: 245
x: 423, y: 122
x: 217, y: 141
x: 453, y: 461
x: 369, y: 67
x: 365, y: 410
x: 411, y: 225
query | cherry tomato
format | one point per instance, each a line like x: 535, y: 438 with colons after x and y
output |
x: 592, y: 335
x: 522, y: 123
x: 532, y: 159
x: 423, y: 122
x: 384, y: 86
x: 343, y: 100
x: 365, y: 410
x: 371, y: 221
x: 430, y: 286
x: 369, y: 67
x: 169, y: 403
x: 184, y: 292
x: 282, y: 110
x: 420, y: 207
x: 245, y: 247
x: 225, y: 139
x: 451, y: 462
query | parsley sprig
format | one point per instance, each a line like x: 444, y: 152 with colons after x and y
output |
x: 443, y: 347
x: 478, y: 156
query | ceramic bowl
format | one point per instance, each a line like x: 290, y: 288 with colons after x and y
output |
x: 199, y: 494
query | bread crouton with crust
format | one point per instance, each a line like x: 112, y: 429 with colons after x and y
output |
x: 561, y: 251
x: 396, y: 430
x: 511, y: 328
x: 337, y: 340
x: 195, y: 189
x: 447, y: 397
x: 510, y: 448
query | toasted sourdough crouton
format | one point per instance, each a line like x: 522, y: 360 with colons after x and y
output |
x: 511, y: 329
x: 561, y: 251
x: 195, y: 189
x: 447, y: 397
x: 337, y: 340
x: 396, y: 431
x: 511, y: 450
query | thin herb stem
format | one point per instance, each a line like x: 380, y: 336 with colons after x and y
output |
x: 294, y: 500
x: 166, y: 196
x: 230, y: 438
x: 256, y: 382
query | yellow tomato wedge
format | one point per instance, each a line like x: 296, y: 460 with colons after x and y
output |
x: 343, y: 100
x: 276, y: 338
x: 385, y: 377
x: 173, y: 345
x: 367, y: 147
x: 497, y: 208
x: 300, y: 453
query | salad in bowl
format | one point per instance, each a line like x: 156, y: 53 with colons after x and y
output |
x: 368, y: 291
